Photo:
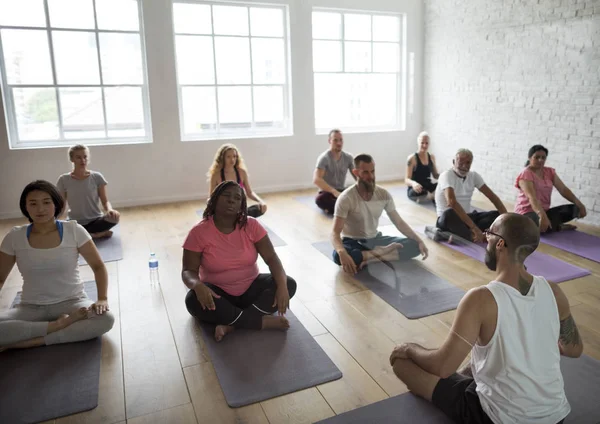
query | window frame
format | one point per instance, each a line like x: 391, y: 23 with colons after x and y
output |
x: 400, y: 74
x: 253, y: 132
x: 10, y: 113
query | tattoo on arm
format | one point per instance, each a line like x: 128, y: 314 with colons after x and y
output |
x: 409, y: 162
x: 569, y: 334
x: 524, y: 286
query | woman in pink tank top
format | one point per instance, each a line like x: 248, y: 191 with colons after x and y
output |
x: 228, y: 165
x: 535, y: 184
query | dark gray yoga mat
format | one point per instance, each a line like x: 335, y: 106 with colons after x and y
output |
x: 310, y: 202
x: 409, y: 288
x: 403, y: 409
x: 49, y: 382
x: 253, y: 366
x: 275, y: 239
x: 581, y: 377
x: 111, y: 249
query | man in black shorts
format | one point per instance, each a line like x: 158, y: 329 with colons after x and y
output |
x: 516, y: 327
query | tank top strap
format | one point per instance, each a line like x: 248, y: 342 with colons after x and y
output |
x: 418, y: 159
x: 237, y: 176
x: 222, y: 174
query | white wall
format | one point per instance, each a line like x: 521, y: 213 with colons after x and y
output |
x: 501, y: 76
x: 170, y: 170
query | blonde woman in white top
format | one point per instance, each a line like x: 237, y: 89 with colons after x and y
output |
x: 54, y: 307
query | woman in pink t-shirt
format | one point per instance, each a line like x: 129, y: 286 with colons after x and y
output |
x: 535, y: 184
x: 219, y: 268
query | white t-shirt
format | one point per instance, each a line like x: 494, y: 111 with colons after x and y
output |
x: 49, y: 275
x: 518, y: 374
x: 362, y: 217
x: 463, y: 189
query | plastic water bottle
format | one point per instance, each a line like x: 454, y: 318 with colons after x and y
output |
x: 153, y: 266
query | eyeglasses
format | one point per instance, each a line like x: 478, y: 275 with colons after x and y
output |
x: 488, y: 233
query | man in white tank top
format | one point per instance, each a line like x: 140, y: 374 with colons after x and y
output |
x: 516, y: 328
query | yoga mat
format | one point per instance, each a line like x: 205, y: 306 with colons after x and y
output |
x: 275, y: 239
x: 576, y: 242
x: 310, y: 202
x: 409, y: 288
x: 403, y: 409
x: 49, y: 382
x: 111, y: 249
x: 581, y: 377
x: 552, y: 269
x: 582, y: 381
x: 253, y: 366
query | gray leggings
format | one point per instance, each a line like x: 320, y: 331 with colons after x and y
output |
x: 26, y: 322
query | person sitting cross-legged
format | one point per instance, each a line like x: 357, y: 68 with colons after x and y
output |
x: 355, y: 238
x: 515, y: 327
x: 219, y: 268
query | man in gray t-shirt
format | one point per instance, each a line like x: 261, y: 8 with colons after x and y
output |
x: 331, y: 170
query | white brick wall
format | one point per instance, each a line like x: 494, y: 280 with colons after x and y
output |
x: 503, y: 75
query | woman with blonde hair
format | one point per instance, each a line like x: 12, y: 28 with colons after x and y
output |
x: 228, y: 165
x: 85, y: 191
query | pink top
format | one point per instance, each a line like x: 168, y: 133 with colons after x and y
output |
x: 228, y: 260
x: 543, y: 189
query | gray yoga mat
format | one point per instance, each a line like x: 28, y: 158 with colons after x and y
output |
x: 49, y: 382
x: 581, y: 377
x: 275, y: 239
x: 403, y: 409
x: 253, y: 366
x: 111, y: 249
x: 310, y: 202
x: 411, y: 289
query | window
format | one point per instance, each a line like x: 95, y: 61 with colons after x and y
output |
x: 73, y: 70
x: 232, y: 70
x: 356, y: 64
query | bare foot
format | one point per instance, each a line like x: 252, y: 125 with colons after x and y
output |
x: 270, y: 322
x: 103, y: 234
x: 65, y: 320
x: 567, y: 227
x: 222, y: 330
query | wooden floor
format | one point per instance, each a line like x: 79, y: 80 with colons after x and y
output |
x: 154, y: 365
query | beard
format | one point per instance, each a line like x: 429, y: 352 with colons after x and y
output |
x: 369, y: 186
x: 490, y: 258
x: 462, y: 174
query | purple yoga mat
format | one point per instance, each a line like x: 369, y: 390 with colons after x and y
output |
x: 550, y: 268
x: 576, y: 242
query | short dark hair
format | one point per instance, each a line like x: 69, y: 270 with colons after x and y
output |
x: 242, y: 217
x: 333, y: 131
x: 363, y: 157
x: 533, y: 149
x: 46, y: 187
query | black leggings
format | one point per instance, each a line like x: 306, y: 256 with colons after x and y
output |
x: 557, y: 215
x: 451, y: 222
x: 98, y: 225
x: 254, y: 211
x: 244, y: 311
x: 428, y: 187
